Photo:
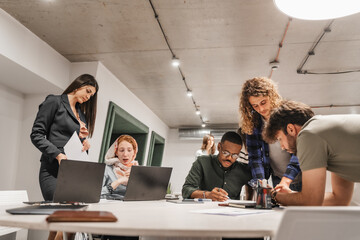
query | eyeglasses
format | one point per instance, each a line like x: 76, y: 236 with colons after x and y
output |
x: 233, y: 155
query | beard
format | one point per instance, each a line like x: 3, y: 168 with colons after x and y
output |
x: 291, y: 144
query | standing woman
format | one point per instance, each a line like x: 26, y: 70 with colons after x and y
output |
x: 259, y: 96
x: 207, y: 147
x: 57, y: 119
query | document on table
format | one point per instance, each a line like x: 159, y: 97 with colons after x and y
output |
x: 73, y: 149
x: 230, y: 211
x: 240, y: 201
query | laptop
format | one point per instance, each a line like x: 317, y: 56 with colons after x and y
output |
x: 145, y: 183
x: 78, y: 182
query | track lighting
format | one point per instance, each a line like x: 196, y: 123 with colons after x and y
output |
x: 175, y: 62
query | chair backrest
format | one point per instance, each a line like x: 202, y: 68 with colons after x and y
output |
x: 13, y: 197
x: 9, y: 198
x: 310, y: 223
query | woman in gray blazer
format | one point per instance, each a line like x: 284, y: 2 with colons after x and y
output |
x: 57, y: 119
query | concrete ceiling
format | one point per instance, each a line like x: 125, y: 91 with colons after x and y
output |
x: 220, y: 44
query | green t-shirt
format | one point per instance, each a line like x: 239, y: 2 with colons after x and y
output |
x: 207, y: 173
x: 333, y: 142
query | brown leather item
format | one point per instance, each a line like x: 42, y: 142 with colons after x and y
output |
x: 81, y: 216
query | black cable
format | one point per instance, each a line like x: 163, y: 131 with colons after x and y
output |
x: 161, y: 28
x: 312, y: 50
x: 174, y: 56
x: 341, y: 72
x: 336, y: 105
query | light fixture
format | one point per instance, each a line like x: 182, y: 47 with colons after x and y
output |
x: 175, y: 62
x: 274, y: 65
x: 189, y: 93
x: 318, y: 9
x: 197, y: 112
x: 203, y: 125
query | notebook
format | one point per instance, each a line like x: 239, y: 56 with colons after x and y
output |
x: 77, y: 182
x: 81, y: 216
x: 145, y: 183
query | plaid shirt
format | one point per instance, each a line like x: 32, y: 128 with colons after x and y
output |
x: 259, y: 157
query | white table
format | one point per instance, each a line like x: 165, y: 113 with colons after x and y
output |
x: 158, y: 218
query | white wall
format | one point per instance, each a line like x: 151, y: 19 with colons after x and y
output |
x: 27, y: 171
x: 11, y: 105
x: 180, y: 154
x: 20, y: 45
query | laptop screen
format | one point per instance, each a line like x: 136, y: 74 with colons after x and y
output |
x: 147, y: 183
x: 79, y: 181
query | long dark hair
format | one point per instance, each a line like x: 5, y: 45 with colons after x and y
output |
x: 88, y: 107
x: 204, y: 143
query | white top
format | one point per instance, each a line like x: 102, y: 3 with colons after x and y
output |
x: 204, y: 152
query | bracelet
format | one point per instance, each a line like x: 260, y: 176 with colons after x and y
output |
x: 110, y: 188
x: 204, y: 195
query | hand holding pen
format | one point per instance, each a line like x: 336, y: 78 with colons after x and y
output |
x: 218, y: 194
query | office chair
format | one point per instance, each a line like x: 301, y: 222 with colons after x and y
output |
x: 317, y: 223
x: 8, y: 198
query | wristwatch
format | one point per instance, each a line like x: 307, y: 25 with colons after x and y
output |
x: 273, y: 196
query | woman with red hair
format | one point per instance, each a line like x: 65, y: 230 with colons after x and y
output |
x: 119, y: 159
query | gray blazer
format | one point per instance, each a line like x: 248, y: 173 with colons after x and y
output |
x: 53, y: 126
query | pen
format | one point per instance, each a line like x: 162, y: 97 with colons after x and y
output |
x: 202, y: 200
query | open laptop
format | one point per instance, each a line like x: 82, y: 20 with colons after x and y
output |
x: 145, y: 183
x: 77, y: 182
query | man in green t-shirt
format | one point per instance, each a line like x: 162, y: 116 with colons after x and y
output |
x: 329, y: 142
x: 218, y: 177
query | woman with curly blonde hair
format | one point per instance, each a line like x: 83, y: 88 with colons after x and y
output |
x: 258, y: 97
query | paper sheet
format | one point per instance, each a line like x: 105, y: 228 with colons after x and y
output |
x: 230, y: 211
x: 73, y: 149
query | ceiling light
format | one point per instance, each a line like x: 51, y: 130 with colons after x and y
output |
x: 175, y: 62
x: 197, y: 112
x: 189, y: 93
x: 203, y: 125
x: 318, y: 9
x: 274, y: 65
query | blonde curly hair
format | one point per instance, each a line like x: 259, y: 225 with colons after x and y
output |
x: 256, y: 87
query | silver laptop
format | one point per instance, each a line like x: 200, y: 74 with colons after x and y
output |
x: 145, y: 183
x: 78, y: 182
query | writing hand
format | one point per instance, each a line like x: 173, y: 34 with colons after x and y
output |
x: 218, y: 194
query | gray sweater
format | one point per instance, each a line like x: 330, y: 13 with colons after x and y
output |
x: 109, y: 177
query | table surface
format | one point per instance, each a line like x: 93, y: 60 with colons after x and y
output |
x: 160, y: 218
